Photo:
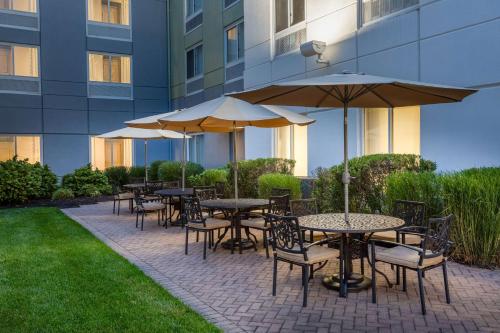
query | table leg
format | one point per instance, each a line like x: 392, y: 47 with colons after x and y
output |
x: 238, y: 241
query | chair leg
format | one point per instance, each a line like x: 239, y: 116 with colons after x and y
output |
x: 291, y: 267
x: 421, y: 290
x: 404, y: 279
x: 232, y: 239
x: 311, y: 272
x: 137, y: 219
x: 266, y: 242
x: 187, y: 240
x: 306, y: 285
x: 204, y: 245
x: 158, y: 217
x: 210, y: 239
x: 197, y: 236
x: 398, y: 280
x: 142, y: 221
x: 362, y: 264
x: 119, y: 201
x: 303, y: 275
x: 374, y: 281
x: 275, y: 273
x: 114, y: 205
x: 446, y: 288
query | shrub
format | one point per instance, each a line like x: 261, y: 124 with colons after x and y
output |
x: 90, y: 190
x: 249, y: 172
x: 138, y: 172
x: 21, y: 181
x: 277, y: 180
x: 153, y: 170
x: 118, y: 175
x: 209, y: 177
x: 367, y: 188
x: 424, y: 187
x: 86, y: 176
x: 172, y: 170
x: 473, y: 196
x: 63, y: 194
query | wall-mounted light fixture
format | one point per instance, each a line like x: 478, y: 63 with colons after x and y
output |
x: 314, y: 48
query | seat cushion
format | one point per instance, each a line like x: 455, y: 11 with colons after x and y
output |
x: 403, y: 256
x: 152, y: 206
x: 210, y: 224
x: 124, y: 196
x: 315, y: 254
x: 258, y: 223
x: 391, y: 236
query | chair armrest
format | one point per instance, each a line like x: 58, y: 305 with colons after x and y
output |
x: 319, y: 242
x: 419, y: 250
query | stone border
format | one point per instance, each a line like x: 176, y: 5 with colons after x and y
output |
x: 171, y: 286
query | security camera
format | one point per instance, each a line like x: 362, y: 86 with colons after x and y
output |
x: 314, y: 48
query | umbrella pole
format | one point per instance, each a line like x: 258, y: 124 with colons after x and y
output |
x: 184, y: 160
x: 146, y: 159
x: 235, y: 163
x: 346, y: 177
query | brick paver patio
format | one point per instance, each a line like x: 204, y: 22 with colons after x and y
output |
x: 234, y: 291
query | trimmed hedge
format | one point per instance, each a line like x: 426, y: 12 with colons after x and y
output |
x: 153, y: 170
x: 277, y: 180
x: 87, y: 182
x: 249, y: 172
x: 209, y: 177
x: 172, y: 170
x: 21, y: 181
x: 367, y: 188
x: 472, y: 195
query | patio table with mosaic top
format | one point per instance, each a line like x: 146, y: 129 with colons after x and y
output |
x: 359, y: 225
x: 234, y: 208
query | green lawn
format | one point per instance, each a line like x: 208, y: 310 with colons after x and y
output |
x: 57, y: 277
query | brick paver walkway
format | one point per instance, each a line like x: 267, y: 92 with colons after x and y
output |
x: 234, y: 291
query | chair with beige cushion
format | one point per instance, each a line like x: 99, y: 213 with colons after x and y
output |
x: 433, y: 252
x: 278, y: 205
x: 194, y: 221
x: 145, y: 206
x: 119, y: 196
x: 288, y: 246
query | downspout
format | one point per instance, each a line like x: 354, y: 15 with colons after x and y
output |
x: 169, y: 102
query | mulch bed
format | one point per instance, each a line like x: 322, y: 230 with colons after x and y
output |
x: 67, y: 203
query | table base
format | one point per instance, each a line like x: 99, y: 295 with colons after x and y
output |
x: 355, y: 283
x: 244, y: 243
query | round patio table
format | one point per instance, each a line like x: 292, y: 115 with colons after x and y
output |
x: 234, y: 208
x: 359, y: 224
x: 175, y: 192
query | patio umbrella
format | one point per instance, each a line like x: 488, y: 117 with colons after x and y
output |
x: 226, y: 114
x: 353, y: 90
x: 145, y: 134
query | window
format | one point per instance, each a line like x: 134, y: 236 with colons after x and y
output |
x: 288, y: 13
x: 108, y: 153
x: 235, y: 45
x: 109, y: 11
x: 240, y: 145
x: 392, y: 131
x: 194, y: 62
x: 193, y: 7
x: 374, y: 9
x: 229, y: 3
x: 18, y: 60
x: 109, y: 68
x: 196, y: 149
x: 291, y: 142
x: 24, y: 146
x: 19, y: 5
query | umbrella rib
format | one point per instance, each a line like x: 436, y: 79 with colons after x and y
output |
x: 364, y: 90
x: 279, y: 95
x: 421, y: 92
x: 380, y: 97
x: 327, y: 93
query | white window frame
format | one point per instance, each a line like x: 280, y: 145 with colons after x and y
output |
x: 190, y: 16
x: 196, y: 76
x: 385, y: 17
x: 22, y: 11
x: 14, y: 61
x: 129, y: 25
x: 26, y: 135
x: 112, y: 55
x: 188, y: 148
x: 287, y: 31
x: 240, y: 59
x: 132, y: 146
x: 231, y: 5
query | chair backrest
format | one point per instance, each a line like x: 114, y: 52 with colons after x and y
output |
x: 412, y: 212
x: 279, y: 205
x: 205, y: 193
x: 286, y: 235
x: 191, y: 212
x: 220, y: 188
x: 151, y: 187
x: 303, y: 207
x: 115, y: 188
x: 171, y: 184
x: 280, y: 191
x: 437, y: 236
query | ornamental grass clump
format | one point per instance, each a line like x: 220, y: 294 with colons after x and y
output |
x: 277, y: 180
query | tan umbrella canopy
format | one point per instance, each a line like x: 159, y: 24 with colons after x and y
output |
x: 145, y: 134
x: 353, y: 90
x: 226, y: 114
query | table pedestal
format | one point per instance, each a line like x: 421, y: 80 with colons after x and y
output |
x: 355, y: 283
x: 242, y: 243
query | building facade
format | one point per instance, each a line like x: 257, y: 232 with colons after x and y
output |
x: 73, y: 69
x: 451, y: 42
x: 207, y: 60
